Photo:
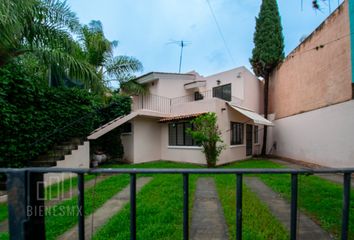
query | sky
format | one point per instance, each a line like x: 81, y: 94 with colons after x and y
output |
x: 145, y: 27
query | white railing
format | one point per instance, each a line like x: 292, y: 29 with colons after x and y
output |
x: 164, y: 104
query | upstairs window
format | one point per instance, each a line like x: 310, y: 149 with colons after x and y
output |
x: 178, y: 136
x: 236, y: 133
x: 198, y: 96
x: 223, y: 92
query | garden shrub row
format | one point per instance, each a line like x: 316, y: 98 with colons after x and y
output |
x: 34, y: 117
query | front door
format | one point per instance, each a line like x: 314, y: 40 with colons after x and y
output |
x: 249, y: 140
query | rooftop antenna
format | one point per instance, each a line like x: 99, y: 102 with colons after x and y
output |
x: 182, y: 44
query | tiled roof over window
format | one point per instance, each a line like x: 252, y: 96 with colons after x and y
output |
x: 181, y: 117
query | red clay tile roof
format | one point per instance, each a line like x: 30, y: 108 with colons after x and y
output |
x: 181, y: 117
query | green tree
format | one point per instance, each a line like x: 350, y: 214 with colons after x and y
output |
x: 42, y: 30
x: 98, y: 51
x: 206, y: 132
x: 268, y: 49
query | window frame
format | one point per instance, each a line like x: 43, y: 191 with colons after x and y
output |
x: 256, y: 129
x: 235, y: 129
x: 219, y: 90
x: 175, y: 143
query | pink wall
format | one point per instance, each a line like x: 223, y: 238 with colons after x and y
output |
x: 311, y: 79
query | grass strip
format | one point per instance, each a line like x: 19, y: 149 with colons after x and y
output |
x: 258, y: 222
x: 63, y: 216
x: 320, y: 199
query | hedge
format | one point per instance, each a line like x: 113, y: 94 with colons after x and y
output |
x: 33, y: 117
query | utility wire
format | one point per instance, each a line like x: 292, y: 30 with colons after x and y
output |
x: 220, y: 32
x: 320, y: 46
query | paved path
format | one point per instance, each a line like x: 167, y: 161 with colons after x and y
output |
x: 307, y: 229
x: 104, y: 213
x: 208, y: 221
x: 336, y: 178
x: 4, y: 225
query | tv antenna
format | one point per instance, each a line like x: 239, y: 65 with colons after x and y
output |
x: 182, y: 44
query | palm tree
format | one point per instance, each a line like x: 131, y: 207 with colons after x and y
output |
x: 99, y: 52
x: 43, y: 29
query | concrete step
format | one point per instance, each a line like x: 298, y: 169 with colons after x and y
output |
x: 43, y: 163
x: 66, y: 147
x: 46, y: 157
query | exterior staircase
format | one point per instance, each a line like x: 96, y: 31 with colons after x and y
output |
x: 57, y: 153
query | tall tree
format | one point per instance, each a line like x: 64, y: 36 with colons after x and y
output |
x: 43, y: 30
x: 99, y: 52
x: 268, y: 49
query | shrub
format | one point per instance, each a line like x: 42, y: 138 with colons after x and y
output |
x: 34, y: 117
x: 206, y: 133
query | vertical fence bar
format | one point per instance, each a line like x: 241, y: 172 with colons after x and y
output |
x: 238, y: 206
x: 17, y: 203
x: 185, y: 206
x: 132, y: 206
x: 346, y: 205
x: 81, y: 205
x: 293, y: 211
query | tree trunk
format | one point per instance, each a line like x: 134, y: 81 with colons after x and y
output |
x: 265, y: 130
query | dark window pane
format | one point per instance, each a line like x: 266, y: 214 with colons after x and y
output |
x: 222, y: 92
x: 198, y: 96
x: 172, y: 134
x: 226, y: 90
x: 180, y: 134
x: 188, y: 138
x: 236, y: 133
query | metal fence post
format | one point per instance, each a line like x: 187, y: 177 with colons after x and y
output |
x: 238, y: 206
x: 293, y: 210
x: 81, y: 206
x: 26, y: 205
x: 132, y: 206
x: 346, y: 205
x: 17, y: 203
x: 185, y: 206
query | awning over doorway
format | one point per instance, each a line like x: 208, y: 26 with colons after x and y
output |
x: 255, y: 117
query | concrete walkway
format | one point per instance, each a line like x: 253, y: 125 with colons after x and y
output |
x: 307, y: 229
x: 336, y: 178
x: 104, y: 213
x: 4, y: 225
x: 208, y: 221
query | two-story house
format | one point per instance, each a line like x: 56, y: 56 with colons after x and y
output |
x: 158, y: 121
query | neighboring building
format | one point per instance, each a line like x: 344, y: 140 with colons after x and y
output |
x: 311, y: 96
x: 156, y: 127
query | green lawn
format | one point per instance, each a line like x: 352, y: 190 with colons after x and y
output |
x: 57, y: 222
x: 159, y: 209
x: 51, y: 192
x: 319, y: 198
x: 258, y: 222
x: 159, y: 204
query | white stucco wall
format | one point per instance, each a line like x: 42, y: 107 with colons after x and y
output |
x: 194, y: 154
x: 147, y: 141
x: 324, y: 136
x: 128, y: 146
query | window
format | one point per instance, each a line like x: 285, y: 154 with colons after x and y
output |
x: 223, y: 92
x: 255, y: 134
x: 198, y: 96
x: 178, y: 136
x: 236, y: 133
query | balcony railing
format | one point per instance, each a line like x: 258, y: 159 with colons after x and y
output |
x: 164, y: 104
x: 24, y: 189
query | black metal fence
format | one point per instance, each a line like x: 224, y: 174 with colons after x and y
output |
x: 25, y: 190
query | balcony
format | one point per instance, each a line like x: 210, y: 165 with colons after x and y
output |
x: 164, y: 104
